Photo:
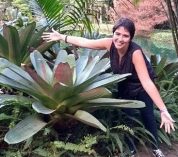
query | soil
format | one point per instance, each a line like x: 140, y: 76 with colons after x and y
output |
x: 168, y: 151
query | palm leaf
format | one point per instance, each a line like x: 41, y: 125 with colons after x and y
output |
x: 59, y: 15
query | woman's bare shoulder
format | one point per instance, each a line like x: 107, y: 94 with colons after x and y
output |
x: 108, y: 42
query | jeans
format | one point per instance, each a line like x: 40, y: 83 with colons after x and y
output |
x: 147, y: 116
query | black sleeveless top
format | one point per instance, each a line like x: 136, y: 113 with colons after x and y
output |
x: 130, y: 87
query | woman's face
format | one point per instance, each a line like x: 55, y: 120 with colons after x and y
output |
x: 121, y: 38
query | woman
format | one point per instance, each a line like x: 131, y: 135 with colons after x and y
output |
x: 127, y: 57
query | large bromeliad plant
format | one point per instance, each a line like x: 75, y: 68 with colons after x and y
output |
x: 69, y: 89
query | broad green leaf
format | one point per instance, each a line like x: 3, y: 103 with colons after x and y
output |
x: 87, y: 95
x: 24, y: 130
x: 46, y: 101
x: 61, y: 57
x: 4, y: 116
x: 4, y: 50
x: 41, y: 67
x: 110, y: 102
x: 12, y: 37
x: 81, y: 63
x: 101, y: 103
x: 15, y: 77
x: 71, y: 60
x: 14, y: 99
x: 95, y: 93
x: 112, y: 79
x: 18, y: 78
x: 25, y: 37
x: 103, y: 76
x: 36, y: 39
x: 61, y: 92
x: 12, y: 83
x: 100, y: 67
x: 86, y: 72
x: 47, y: 88
x: 88, y: 119
x: 5, y: 64
x: 38, y: 107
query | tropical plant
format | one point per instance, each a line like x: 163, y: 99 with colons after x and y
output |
x: 16, y: 45
x: 23, y: 7
x: 168, y: 84
x: 65, y: 16
x: 69, y: 90
x: 164, y: 69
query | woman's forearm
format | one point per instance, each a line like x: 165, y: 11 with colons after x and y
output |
x: 152, y: 91
x: 103, y: 43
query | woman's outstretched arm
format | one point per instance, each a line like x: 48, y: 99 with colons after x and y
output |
x: 103, y: 43
x: 150, y: 88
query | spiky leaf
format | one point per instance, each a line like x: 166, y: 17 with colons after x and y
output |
x: 89, y: 119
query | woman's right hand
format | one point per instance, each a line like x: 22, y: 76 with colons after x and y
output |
x: 51, y: 36
x: 167, y: 121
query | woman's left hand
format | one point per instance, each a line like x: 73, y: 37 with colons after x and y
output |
x: 167, y: 121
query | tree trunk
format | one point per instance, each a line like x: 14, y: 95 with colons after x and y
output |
x: 173, y: 18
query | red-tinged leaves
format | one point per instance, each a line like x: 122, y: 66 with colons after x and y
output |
x: 146, y: 14
x: 45, y: 86
x: 64, y: 74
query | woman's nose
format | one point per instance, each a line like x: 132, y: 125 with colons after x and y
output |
x: 120, y: 38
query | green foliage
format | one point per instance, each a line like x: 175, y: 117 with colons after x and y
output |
x: 84, y: 147
x: 162, y: 39
x: 61, y: 15
x: 16, y: 45
x: 71, y: 88
x: 168, y: 84
x: 23, y: 7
